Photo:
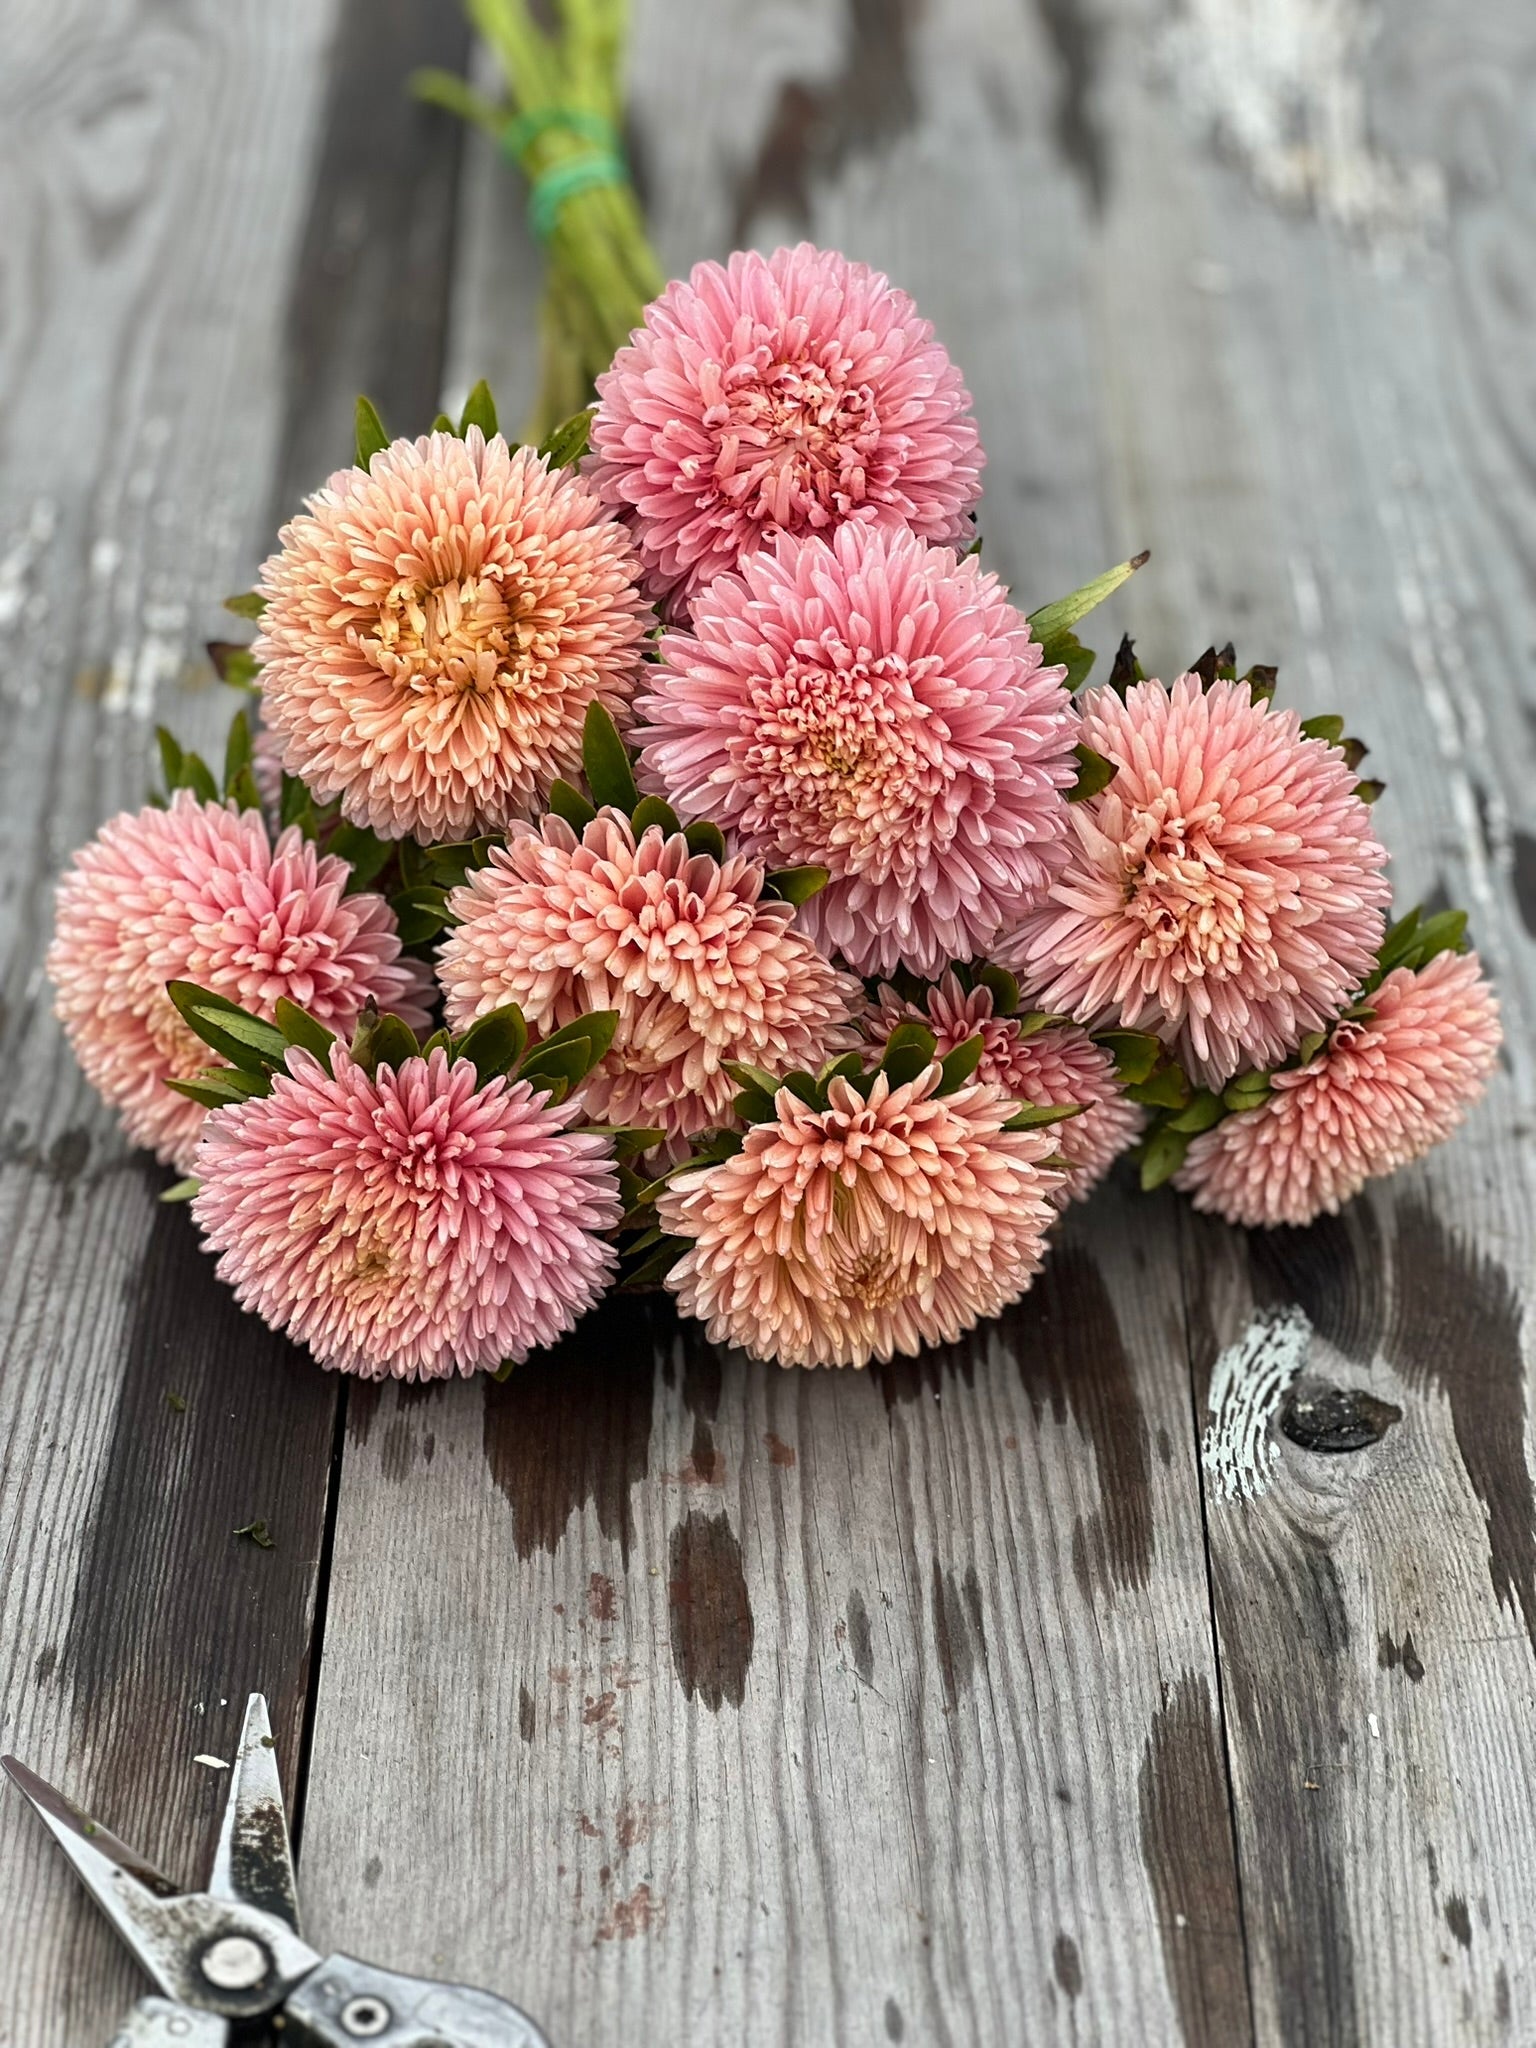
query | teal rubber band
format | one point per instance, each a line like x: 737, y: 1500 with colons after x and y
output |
x: 525, y: 129
x: 560, y: 182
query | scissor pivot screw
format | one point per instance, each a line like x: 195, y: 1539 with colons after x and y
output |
x: 234, y: 1962
x: 365, y: 2017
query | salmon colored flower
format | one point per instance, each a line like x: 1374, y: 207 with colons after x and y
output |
x: 875, y: 707
x: 407, y: 1225
x: 700, y: 966
x: 1383, y: 1090
x: 199, y: 892
x: 435, y: 628
x: 1055, y: 1066
x: 779, y: 394
x: 1225, y: 891
x: 867, y: 1228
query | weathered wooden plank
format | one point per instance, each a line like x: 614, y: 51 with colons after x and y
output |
x: 745, y: 1706
x: 145, y: 1419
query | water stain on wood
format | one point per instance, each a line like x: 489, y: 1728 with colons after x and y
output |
x: 1402, y: 1656
x: 779, y: 1452
x: 1334, y: 1271
x: 1067, y: 1964
x: 1073, y: 1364
x: 526, y: 1717
x: 1187, y: 1848
x: 710, y: 1612
x: 859, y: 1638
x: 1457, y: 1329
x: 43, y: 1668
x: 602, y: 1599
x: 373, y: 1870
x: 903, y: 1381
x: 1524, y: 879
x: 1458, y: 1919
x: 819, y: 126
x: 627, y: 1918
x: 895, y: 2025
x: 1318, y: 1416
x: 572, y: 1427
x: 705, y: 1462
x: 1074, y: 36
x: 958, y: 1636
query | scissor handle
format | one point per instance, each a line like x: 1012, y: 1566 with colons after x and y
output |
x: 162, y: 2023
x: 345, y: 2003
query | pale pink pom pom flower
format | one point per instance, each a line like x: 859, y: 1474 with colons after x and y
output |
x: 1055, y: 1066
x: 435, y: 628
x: 411, y: 1224
x: 700, y: 966
x: 1381, y: 1092
x: 199, y: 892
x: 867, y: 1228
x: 1225, y: 891
x: 876, y: 707
x: 779, y: 394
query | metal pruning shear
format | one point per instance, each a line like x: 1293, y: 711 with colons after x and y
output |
x: 233, y: 1952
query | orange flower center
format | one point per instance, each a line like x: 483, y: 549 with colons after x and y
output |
x: 793, y: 441
x: 464, y: 633
x: 1198, y: 911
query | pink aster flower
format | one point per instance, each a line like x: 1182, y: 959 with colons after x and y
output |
x: 1224, y: 891
x: 412, y: 1225
x: 1057, y: 1065
x: 435, y: 629
x: 699, y: 965
x: 868, y: 1228
x: 199, y: 892
x: 779, y: 394
x: 875, y: 707
x: 1381, y: 1092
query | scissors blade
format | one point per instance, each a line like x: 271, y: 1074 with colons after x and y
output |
x: 253, y: 1865
x: 163, y: 2023
x: 130, y: 1891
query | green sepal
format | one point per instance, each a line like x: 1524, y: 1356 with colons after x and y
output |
x: 654, y: 810
x: 796, y: 885
x: 1094, y: 773
x: 243, y: 791
x: 440, y: 1041
x: 1040, y: 1020
x: 1166, y: 1087
x: 1371, y: 790
x: 381, y: 1039
x: 1054, y: 619
x: 1002, y: 987
x: 1326, y: 726
x: 364, y: 852
x: 1126, y: 670
x: 1250, y: 1091
x: 237, y: 750
x: 479, y: 411
x: 442, y: 425
x: 234, y: 663
x: 1135, y: 1054
x: 1204, y: 1110
x: 567, y: 444
x: 1261, y: 680
x: 1161, y: 1157
x: 960, y: 1064
x: 247, y: 1042
x: 296, y: 806
x: 848, y: 1066
x: 1035, y: 1116
x: 1310, y: 1047
x: 704, y: 837
x: 184, y: 770
x: 605, y: 761
x: 246, y: 604
x: 566, y: 801
x: 495, y: 1042
x: 910, y: 1049
x: 370, y: 434
x: 508, y: 1366
x: 181, y: 1190
x: 299, y: 1028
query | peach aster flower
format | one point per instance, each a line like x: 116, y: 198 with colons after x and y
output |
x: 878, y: 708
x: 435, y: 629
x: 699, y: 965
x: 412, y: 1224
x: 868, y: 1228
x: 1224, y: 891
x: 1056, y: 1065
x: 199, y: 892
x: 1383, y: 1090
x: 779, y: 394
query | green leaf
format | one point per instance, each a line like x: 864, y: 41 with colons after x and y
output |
x: 1035, y: 1116
x: 849, y: 1066
x: 655, y: 1267
x: 1094, y: 773
x: 796, y: 885
x: 1052, y: 619
x: 246, y: 604
x: 1065, y: 650
x: 234, y: 663
x: 443, y: 425
x: 504, y: 1371
x: 1261, y: 680
x: 652, y: 810
x: 1002, y: 987
x: 605, y: 760
x: 243, y: 791
x: 479, y: 411
x: 959, y: 1065
x: 421, y: 913
x: 438, y: 1042
x: 627, y: 1140
x: 1165, y: 1088
x: 171, y: 756
x: 1308, y: 1049
x: 217, y: 1087
x: 1204, y: 1110
x: 753, y: 1106
x: 568, y: 443
x: 1371, y: 790
x: 1161, y: 1157
x: 1446, y: 932
x: 1326, y: 726
x: 297, y: 806
x: 555, y: 1069
x: 594, y: 1029
x: 1135, y: 1054
x: 299, y: 1028
x: 247, y: 1042
x: 803, y: 1087
x: 181, y: 1191
x: 237, y: 750
x: 909, y: 1049
x: 495, y: 1042
x: 259, y: 1534
x: 1040, y: 1020
x: 371, y: 437
x: 1248, y: 1091
x: 703, y: 837
x: 364, y: 852
x: 746, y: 1075
x: 382, y: 1040
x: 567, y: 802
x: 1126, y: 669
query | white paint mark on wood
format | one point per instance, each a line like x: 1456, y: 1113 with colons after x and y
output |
x: 1246, y: 1385
x: 1280, y: 85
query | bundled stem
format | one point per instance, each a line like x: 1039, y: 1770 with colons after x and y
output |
x: 561, y: 125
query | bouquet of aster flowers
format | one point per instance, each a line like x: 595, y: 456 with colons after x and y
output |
x: 667, y: 856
